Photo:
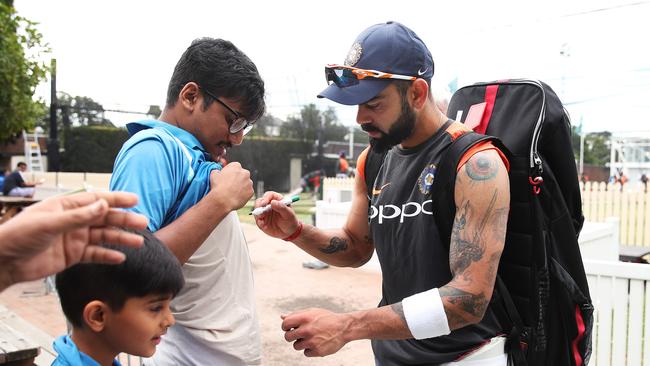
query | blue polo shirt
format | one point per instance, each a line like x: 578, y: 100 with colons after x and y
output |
x: 69, y: 354
x: 167, y: 167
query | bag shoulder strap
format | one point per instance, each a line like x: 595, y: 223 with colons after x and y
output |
x: 444, y: 206
x: 442, y: 190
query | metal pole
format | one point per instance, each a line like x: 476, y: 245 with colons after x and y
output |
x: 612, y: 156
x: 53, y: 144
x: 320, y: 137
x: 582, y: 153
x: 351, y: 155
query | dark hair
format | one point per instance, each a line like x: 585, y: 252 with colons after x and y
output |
x: 221, y: 68
x: 149, y: 270
x: 21, y: 163
x: 403, y: 86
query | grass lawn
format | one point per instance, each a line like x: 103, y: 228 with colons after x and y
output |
x: 303, y: 208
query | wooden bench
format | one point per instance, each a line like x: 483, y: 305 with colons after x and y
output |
x: 21, y: 343
x: 16, y: 349
x: 10, y: 206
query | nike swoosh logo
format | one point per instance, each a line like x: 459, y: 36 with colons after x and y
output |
x: 376, y: 191
x: 420, y: 73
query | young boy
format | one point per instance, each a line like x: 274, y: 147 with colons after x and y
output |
x: 118, y: 308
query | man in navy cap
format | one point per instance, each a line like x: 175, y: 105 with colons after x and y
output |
x: 436, y: 305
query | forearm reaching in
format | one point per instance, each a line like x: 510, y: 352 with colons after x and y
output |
x: 58, y: 232
x: 349, y: 246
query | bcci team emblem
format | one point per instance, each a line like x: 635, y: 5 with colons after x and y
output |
x: 425, y: 181
x: 354, y: 55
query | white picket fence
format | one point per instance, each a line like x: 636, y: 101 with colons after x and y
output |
x: 70, y: 180
x: 601, y: 200
x: 337, y: 189
x: 621, y: 296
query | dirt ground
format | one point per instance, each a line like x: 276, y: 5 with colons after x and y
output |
x: 282, y: 285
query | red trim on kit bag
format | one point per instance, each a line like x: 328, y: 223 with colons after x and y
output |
x: 581, y: 332
x: 490, y: 98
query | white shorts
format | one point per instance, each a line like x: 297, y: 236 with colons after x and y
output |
x: 22, y: 192
x: 490, y: 354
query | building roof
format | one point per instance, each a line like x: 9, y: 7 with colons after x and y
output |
x: 17, y: 147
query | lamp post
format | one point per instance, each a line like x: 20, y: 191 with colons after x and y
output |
x: 565, y: 51
x: 53, y: 143
x: 351, y: 140
x: 582, y: 148
x: 582, y: 153
x: 320, y: 137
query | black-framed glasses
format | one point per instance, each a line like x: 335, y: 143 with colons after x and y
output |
x: 239, y: 123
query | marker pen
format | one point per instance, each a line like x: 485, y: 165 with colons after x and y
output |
x: 287, y: 201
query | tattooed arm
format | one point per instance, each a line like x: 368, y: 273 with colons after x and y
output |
x: 349, y: 246
x: 482, y: 196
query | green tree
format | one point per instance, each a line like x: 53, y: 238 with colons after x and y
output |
x: 575, y: 141
x: 84, y: 111
x: 77, y: 111
x: 154, y: 111
x: 310, y: 121
x: 21, y: 48
x: 264, y: 125
x: 596, y: 146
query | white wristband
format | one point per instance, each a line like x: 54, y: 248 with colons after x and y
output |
x: 425, y: 315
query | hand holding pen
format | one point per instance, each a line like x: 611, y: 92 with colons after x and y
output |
x: 287, y: 202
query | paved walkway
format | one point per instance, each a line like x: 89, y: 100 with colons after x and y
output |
x: 282, y: 285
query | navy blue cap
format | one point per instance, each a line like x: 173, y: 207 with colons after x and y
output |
x: 388, y: 47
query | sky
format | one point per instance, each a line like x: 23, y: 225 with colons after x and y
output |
x: 593, y: 53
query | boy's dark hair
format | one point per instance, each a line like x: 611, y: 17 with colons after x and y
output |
x: 225, y: 71
x: 20, y: 163
x: 150, y: 269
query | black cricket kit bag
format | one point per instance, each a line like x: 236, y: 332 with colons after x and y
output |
x: 541, y: 279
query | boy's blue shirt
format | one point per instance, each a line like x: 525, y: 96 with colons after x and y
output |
x: 69, y: 354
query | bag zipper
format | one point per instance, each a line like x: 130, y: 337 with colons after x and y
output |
x: 535, y: 162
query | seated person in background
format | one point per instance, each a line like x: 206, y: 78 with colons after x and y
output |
x: 15, y: 185
x: 118, y: 308
x: 4, y: 174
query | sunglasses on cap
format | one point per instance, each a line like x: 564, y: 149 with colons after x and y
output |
x: 237, y: 124
x: 344, y: 76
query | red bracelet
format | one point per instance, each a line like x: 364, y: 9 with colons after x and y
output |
x: 295, y: 233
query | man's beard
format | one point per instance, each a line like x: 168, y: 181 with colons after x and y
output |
x: 398, y: 132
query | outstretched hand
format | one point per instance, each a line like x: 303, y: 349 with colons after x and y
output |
x: 61, y: 231
x: 281, y: 221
